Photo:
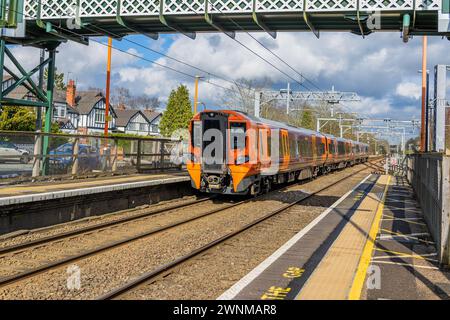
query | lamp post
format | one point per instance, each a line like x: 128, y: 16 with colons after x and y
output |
x: 197, y: 79
x: 427, y: 110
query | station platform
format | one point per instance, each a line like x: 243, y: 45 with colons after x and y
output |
x: 25, y: 193
x: 33, y: 206
x: 371, y: 244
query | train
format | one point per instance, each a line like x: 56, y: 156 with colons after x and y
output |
x: 232, y: 152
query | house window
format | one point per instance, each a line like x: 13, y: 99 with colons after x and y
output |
x: 143, y: 127
x: 99, y: 116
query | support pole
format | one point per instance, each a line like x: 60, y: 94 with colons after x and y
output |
x: 424, y: 94
x: 258, y: 104
x: 288, y: 98
x: 2, y: 63
x: 37, y: 154
x: 197, y: 78
x: 108, y: 86
x: 76, y: 161
x: 41, y: 87
x: 49, y: 108
x: 427, y: 115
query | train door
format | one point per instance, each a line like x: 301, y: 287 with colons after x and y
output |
x: 284, y: 149
x: 214, y: 126
x: 314, y: 149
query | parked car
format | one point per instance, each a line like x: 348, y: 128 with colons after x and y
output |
x: 62, y: 157
x: 10, y: 152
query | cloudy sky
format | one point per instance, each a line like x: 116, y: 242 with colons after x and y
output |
x: 380, y: 68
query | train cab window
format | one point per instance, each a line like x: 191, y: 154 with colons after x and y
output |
x: 238, y: 135
x: 196, y: 134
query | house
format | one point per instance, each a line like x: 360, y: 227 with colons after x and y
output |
x: 88, y: 109
x: 139, y: 122
x: 154, y: 118
x: 84, y: 112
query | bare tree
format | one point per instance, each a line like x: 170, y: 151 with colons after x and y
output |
x: 241, y: 96
x: 123, y: 96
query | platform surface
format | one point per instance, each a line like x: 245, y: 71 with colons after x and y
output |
x: 371, y: 244
x: 17, y: 194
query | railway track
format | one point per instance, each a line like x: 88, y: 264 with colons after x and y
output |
x: 11, y: 251
x: 68, y: 234
x: 147, y: 277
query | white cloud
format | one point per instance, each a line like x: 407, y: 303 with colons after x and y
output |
x: 409, y: 90
x: 379, y: 68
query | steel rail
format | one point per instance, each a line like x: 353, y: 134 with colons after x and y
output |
x: 34, y: 271
x: 68, y: 234
x: 158, y: 271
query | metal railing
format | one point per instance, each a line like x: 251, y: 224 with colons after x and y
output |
x: 429, y: 175
x: 22, y: 154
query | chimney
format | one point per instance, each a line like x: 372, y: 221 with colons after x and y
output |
x: 121, y: 106
x: 71, y: 93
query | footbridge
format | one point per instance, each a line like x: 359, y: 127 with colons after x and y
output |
x: 35, y: 21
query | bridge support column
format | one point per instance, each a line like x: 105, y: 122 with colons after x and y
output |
x: 49, y: 108
x: 39, y: 98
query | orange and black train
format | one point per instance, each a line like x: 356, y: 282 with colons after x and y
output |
x: 232, y: 152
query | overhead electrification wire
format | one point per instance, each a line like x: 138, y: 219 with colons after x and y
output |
x: 270, y: 51
x: 145, y: 59
x: 166, y: 56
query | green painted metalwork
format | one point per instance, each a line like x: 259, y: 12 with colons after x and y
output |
x: 217, y: 26
x: 173, y: 26
x: 306, y: 18
x: 26, y: 77
x: 130, y: 27
x: 23, y: 103
x: 38, y: 93
x: 445, y: 6
x: 49, y: 109
x: 261, y: 24
x: 13, y: 13
x: 406, y: 27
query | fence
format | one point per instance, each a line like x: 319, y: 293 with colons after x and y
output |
x: 429, y: 175
x: 21, y: 154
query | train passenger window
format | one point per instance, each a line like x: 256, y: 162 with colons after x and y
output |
x: 262, y: 146
x: 196, y: 134
x: 320, y: 147
x: 341, y: 148
x: 331, y: 148
x: 269, y: 146
x: 293, y: 147
x: 237, y: 135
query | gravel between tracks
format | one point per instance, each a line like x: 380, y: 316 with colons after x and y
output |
x: 105, y: 271
x: 212, y: 273
x: 36, y: 234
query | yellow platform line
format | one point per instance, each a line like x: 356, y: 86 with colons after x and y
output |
x: 358, y: 282
x: 334, y: 275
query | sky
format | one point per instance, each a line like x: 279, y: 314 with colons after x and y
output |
x: 380, y: 68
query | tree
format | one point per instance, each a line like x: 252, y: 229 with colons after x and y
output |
x: 59, y: 79
x: 178, y: 112
x: 123, y: 96
x: 14, y: 118
x: 17, y: 119
x: 307, y: 120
